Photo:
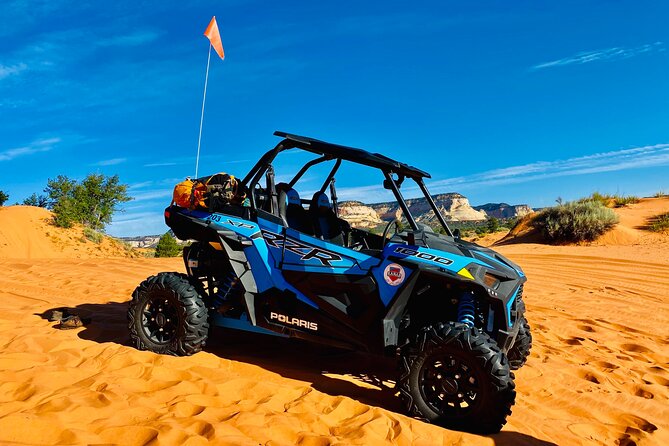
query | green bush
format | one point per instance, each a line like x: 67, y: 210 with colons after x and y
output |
x: 492, y: 224
x: 575, y: 222
x: 91, y: 202
x: 659, y: 223
x: 4, y: 196
x: 92, y: 235
x: 611, y: 200
x: 623, y: 200
x: 167, y: 246
x: 604, y: 199
x: 661, y: 194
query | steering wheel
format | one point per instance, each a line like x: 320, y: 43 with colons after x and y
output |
x: 386, y: 231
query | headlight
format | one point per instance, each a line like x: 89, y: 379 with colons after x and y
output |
x: 491, y: 281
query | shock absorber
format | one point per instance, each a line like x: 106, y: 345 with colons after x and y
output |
x: 466, y: 309
x: 226, y: 289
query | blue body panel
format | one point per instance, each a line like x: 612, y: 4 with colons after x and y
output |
x: 452, y: 262
x: 509, y: 304
x: 386, y: 290
x: 241, y: 324
x: 271, y: 249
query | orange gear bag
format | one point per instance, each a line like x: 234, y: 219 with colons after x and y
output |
x: 183, y: 193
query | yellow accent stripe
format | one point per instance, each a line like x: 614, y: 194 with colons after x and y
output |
x: 217, y: 246
x: 465, y: 273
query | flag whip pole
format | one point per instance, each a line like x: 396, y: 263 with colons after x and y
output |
x: 204, y: 98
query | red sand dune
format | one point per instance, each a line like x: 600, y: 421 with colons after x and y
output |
x: 25, y: 233
x: 598, y: 373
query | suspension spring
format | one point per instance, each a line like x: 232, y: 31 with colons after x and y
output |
x: 466, y: 309
x: 226, y: 289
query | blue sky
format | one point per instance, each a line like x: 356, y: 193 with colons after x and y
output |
x: 520, y: 102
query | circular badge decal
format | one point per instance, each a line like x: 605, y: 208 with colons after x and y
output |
x: 394, y: 274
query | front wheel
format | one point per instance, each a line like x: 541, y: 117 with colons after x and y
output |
x: 457, y: 377
x: 167, y: 315
x: 520, y: 350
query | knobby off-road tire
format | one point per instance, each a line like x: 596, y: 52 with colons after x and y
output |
x: 520, y: 350
x: 457, y: 377
x: 167, y: 315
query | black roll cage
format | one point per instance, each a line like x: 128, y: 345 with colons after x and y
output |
x: 329, y: 152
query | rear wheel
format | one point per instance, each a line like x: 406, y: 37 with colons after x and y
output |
x: 167, y: 315
x: 457, y: 377
x: 520, y: 350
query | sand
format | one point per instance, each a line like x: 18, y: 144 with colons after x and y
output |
x: 598, y: 373
x: 25, y: 233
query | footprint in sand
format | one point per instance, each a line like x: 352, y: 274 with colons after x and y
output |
x: 604, y: 365
x: 636, y: 348
x: 590, y: 376
x: 587, y: 328
x: 574, y: 340
x: 643, y: 393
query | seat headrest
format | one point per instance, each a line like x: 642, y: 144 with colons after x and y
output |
x: 293, y: 197
x: 321, y: 200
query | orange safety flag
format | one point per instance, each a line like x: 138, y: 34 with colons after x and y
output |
x: 215, y: 37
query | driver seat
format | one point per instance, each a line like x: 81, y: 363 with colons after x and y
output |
x: 328, y: 227
x: 291, y: 210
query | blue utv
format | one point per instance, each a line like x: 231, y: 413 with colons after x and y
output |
x: 275, y: 263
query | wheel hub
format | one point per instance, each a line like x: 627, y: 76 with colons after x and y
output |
x: 161, y: 319
x: 449, y: 386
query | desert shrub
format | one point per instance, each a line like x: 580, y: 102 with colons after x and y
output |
x: 167, y: 246
x: 492, y: 224
x: 575, y: 221
x: 659, y: 223
x: 661, y: 194
x: 510, y: 223
x: 623, y: 200
x: 4, y: 196
x: 605, y: 199
x: 92, y: 235
x: 610, y: 200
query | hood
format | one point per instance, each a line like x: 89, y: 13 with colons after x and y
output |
x: 459, y: 247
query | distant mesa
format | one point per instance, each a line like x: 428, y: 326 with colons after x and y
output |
x: 453, y: 206
x: 503, y: 210
x: 147, y: 241
x: 142, y: 241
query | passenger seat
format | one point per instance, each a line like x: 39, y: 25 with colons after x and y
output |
x: 328, y: 227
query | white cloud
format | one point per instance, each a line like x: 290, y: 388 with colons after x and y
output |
x: 139, y: 223
x: 614, y: 53
x: 110, y: 162
x: 153, y: 195
x: 638, y: 157
x: 611, y: 161
x: 40, y: 145
x: 159, y: 164
x: 9, y: 70
x: 133, y: 39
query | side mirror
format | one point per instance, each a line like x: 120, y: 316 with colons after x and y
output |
x: 456, y: 233
x: 387, y: 185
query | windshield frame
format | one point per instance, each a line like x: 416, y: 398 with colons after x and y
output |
x: 254, y: 176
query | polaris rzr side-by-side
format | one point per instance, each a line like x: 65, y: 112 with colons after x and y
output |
x: 268, y: 261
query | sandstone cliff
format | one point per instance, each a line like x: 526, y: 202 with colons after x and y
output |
x: 503, y: 210
x: 454, y: 207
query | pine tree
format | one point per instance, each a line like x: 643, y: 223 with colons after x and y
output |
x: 167, y: 246
x: 40, y: 201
